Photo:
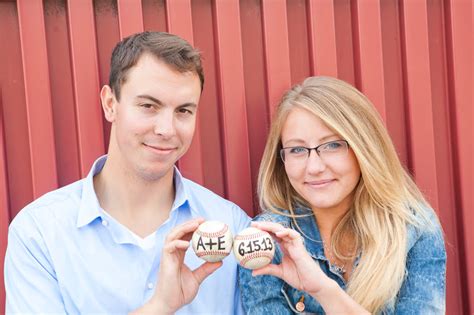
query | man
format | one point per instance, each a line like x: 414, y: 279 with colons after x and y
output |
x: 115, y: 241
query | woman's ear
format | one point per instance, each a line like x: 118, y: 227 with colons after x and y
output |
x: 109, y: 103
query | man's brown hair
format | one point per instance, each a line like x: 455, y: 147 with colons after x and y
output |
x: 169, y: 48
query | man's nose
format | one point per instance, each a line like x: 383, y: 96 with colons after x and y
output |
x: 165, y: 124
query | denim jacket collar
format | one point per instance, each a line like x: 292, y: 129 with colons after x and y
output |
x: 307, y: 226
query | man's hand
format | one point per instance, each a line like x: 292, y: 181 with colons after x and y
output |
x: 177, y: 284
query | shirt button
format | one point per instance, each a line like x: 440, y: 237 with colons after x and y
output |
x: 105, y: 222
x: 150, y: 285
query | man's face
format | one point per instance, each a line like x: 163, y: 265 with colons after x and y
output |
x: 153, y: 123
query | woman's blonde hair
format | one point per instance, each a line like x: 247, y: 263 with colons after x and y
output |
x: 385, y: 199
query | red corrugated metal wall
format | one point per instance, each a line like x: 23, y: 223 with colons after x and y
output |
x: 412, y: 58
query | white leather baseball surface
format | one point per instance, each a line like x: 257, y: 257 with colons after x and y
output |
x: 253, y: 248
x: 212, y: 241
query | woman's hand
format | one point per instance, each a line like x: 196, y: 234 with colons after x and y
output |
x: 297, y: 268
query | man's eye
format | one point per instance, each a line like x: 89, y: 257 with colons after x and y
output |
x: 147, y: 106
x: 297, y: 150
x: 185, y: 111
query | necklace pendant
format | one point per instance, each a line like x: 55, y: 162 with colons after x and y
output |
x: 339, y: 269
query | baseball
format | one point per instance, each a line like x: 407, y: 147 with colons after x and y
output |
x: 212, y: 241
x: 253, y: 248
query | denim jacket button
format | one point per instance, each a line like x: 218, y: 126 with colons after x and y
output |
x: 300, y: 304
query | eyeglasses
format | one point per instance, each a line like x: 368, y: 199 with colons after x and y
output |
x: 326, y: 151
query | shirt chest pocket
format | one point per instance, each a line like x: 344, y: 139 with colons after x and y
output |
x: 300, y: 302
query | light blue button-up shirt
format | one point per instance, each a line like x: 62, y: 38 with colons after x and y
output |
x: 66, y: 255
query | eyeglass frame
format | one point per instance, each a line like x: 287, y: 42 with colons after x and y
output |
x: 282, y: 150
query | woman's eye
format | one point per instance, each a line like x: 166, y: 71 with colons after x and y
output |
x: 297, y: 150
x: 334, y: 145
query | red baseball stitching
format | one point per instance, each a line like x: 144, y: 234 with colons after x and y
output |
x: 249, y: 236
x: 212, y: 252
x: 213, y: 234
x: 251, y: 256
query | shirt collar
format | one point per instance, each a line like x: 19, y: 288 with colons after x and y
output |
x: 183, y: 194
x: 90, y: 209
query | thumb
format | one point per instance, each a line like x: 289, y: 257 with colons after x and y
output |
x: 203, y: 271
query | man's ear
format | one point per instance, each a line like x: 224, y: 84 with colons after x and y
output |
x: 109, y: 103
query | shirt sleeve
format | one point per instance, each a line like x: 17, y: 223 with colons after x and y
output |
x: 241, y: 219
x: 30, y: 280
x: 424, y: 288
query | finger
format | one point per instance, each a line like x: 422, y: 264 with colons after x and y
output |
x: 203, y: 271
x: 271, y: 270
x: 175, y: 245
x: 185, y: 228
x: 268, y: 226
x: 278, y: 231
x: 289, y: 235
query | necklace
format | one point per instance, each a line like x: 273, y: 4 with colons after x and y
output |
x: 335, y: 266
x: 333, y: 262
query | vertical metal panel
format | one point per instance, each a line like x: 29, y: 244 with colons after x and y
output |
x: 179, y: 22
x: 331, y: 47
x: 130, y: 17
x: 277, y: 55
x: 368, y: 35
x: 345, y: 52
x: 421, y: 100
x: 38, y: 98
x: 232, y: 98
x: 419, y: 97
x: 154, y: 15
x: 62, y: 92
x: 298, y: 40
x: 412, y: 58
x: 322, y: 37
x: 255, y: 73
x: 179, y: 18
x: 4, y: 216
x: 393, y: 76
x: 211, y: 137
x: 86, y: 82
x: 14, y: 111
x: 443, y: 146
x: 107, y: 34
x: 458, y: 25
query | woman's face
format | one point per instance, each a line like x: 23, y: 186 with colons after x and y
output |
x: 326, y: 180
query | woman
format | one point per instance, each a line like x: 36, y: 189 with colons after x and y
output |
x: 355, y: 234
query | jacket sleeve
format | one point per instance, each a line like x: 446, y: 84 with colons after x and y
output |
x: 30, y: 280
x: 262, y: 294
x: 424, y: 288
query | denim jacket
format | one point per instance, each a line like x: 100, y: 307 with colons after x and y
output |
x: 422, y: 291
